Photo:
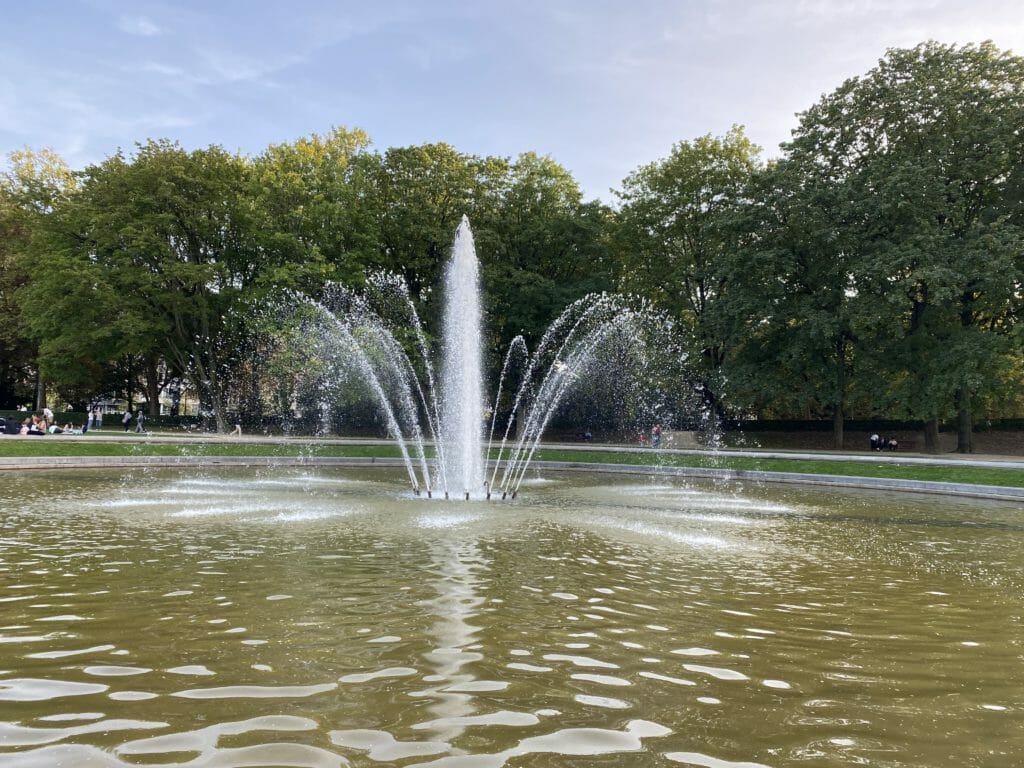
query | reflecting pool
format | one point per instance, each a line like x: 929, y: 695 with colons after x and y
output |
x: 325, y: 617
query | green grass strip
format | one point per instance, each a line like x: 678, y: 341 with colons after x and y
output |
x: 1010, y: 476
x: 69, y: 447
x: 47, y: 446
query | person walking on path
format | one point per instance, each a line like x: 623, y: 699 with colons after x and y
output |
x: 127, y: 420
x: 140, y: 421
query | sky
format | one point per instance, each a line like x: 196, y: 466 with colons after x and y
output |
x: 602, y: 87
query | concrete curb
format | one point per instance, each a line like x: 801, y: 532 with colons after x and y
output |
x: 1003, y: 493
x: 109, y: 462
x: 995, y: 492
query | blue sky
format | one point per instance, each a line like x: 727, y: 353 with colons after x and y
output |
x: 600, y: 86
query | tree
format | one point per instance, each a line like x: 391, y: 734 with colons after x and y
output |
x: 313, y: 212
x: 547, y: 248
x: 674, y: 234
x: 164, y: 254
x: 924, y: 150
x: 793, y: 320
x: 417, y: 196
x: 34, y: 183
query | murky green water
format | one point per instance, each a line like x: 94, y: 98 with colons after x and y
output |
x: 288, y: 618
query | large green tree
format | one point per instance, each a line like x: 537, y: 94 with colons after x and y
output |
x: 675, y: 233
x: 164, y: 256
x: 416, y: 197
x: 792, y: 319
x: 924, y: 151
x: 34, y: 182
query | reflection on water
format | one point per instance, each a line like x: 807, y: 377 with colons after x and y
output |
x: 329, y: 618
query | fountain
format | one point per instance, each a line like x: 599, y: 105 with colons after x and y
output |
x: 360, y: 335
x: 283, y: 615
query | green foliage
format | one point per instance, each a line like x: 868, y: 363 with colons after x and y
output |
x: 34, y: 183
x: 922, y: 158
x: 152, y: 255
x: 875, y: 270
x: 545, y: 249
x: 675, y: 234
x: 311, y: 218
x: 415, y: 198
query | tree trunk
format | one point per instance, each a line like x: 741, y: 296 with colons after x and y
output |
x: 931, y: 436
x: 712, y: 401
x: 839, y: 409
x: 838, y: 422
x: 152, y: 386
x: 217, y: 404
x: 964, y: 420
x: 219, y: 411
x: 40, y: 391
x: 211, y: 394
x: 175, y: 397
x: 964, y: 423
x: 129, y: 389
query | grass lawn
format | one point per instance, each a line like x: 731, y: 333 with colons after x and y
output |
x: 47, y: 446
x: 1010, y: 476
x: 69, y: 446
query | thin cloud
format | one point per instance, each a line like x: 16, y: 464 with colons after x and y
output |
x: 138, y: 25
x: 230, y: 67
x: 178, y: 75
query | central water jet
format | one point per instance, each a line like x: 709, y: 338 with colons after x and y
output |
x: 462, y: 390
